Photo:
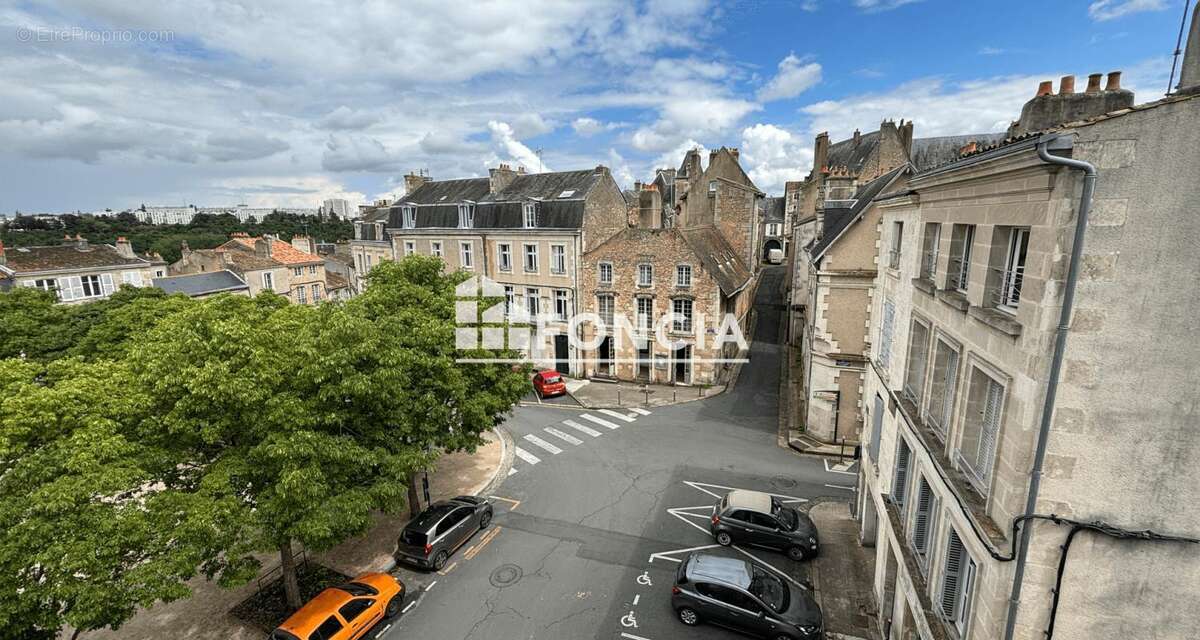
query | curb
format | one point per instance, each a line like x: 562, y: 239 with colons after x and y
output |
x: 506, y: 461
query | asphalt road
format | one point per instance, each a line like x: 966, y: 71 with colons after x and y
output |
x: 585, y: 541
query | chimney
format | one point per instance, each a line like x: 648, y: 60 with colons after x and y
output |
x: 412, y: 181
x: 1045, y: 88
x: 1114, y: 81
x: 1189, y: 79
x: 906, y: 137
x: 81, y: 243
x: 734, y: 152
x: 263, y: 248
x: 124, y: 248
x: 1094, y: 83
x: 500, y: 177
x: 303, y: 243
x: 1047, y: 110
x: 820, y: 152
x: 1066, y: 85
x: 857, y: 136
x: 601, y: 170
x: 637, y: 185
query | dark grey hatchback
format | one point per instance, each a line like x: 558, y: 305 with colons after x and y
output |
x: 429, y: 539
x: 754, y: 518
x: 743, y: 596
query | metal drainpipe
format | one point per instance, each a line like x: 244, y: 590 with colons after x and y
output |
x: 1060, y: 346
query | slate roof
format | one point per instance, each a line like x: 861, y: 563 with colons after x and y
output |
x: 66, y: 256
x: 837, y: 220
x: 851, y: 154
x: 931, y: 152
x: 548, y: 186
x: 718, y: 257
x: 773, y: 209
x: 201, y: 284
x: 335, y: 281
x: 446, y: 191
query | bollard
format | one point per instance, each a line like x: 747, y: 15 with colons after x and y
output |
x: 647, y: 391
x: 618, y: 396
x: 675, y: 396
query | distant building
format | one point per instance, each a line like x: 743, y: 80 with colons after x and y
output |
x: 204, y: 285
x: 165, y: 215
x: 339, y: 207
x: 265, y: 264
x: 78, y: 271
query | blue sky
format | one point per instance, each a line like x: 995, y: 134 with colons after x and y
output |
x: 284, y: 103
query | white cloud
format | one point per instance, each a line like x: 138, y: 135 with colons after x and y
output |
x: 873, y: 6
x: 990, y: 51
x: 345, y: 118
x: 511, y: 149
x: 587, y: 127
x: 772, y: 156
x: 283, y: 190
x: 528, y: 125
x: 1103, y: 10
x: 794, y: 77
x: 353, y: 152
x: 674, y: 157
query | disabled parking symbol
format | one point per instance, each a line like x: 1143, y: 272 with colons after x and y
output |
x: 644, y: 579
x: 629, y: 621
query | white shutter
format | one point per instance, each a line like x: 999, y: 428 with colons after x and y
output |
x: 64, y: 289
x: 106, y: 284
x: 989, y: 431
x: 900, y: 482
x: 921, y: 522
x: 76, y: 287
x: 951, y: 581
x: 885, y: 334
x: 947, y: 400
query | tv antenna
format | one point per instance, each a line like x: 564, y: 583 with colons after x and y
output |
x: 1178, y: 44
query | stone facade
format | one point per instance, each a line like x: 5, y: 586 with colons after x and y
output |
x: 77, y: 271
x: 265, y: 264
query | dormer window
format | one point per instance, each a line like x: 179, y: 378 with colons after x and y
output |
x: 712, y: 186
x: 410, y: 217
x: 530, y: 215
x: 466, y: 216
x: 567, y: 194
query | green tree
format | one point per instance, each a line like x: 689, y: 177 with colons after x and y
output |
x: 33, y: 326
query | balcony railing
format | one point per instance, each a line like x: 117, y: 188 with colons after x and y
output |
x: 1007, y: 294
x: 928, y: 265
x: 958, y: 273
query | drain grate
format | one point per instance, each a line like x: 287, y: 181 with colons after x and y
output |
x: 505, y: 575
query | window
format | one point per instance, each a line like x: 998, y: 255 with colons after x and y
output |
x: 929, y: 255
x: 327, y: 630
x: 645, y: 275
x: 645, y: 313
x: 297, y: 271
x: 558, y: 259
x: 435, y: 248
x: 464, y: 255
x: 312, y: 269
x: 158, y: 273
x: 876, y: 428
x: 897, y: 240
x: 268, y: 281
x: 531, y: 258
x: 958, y: 581
x: 604, y: 308
x: 560, y: 305
x: 918, y: 356
x: 358, y: 261
x: 923, y: 519
x: 369, y: 256
x: 316, y: 293
x: 533, y: 302
x: 941, y: 388
x: 683, y: 275
x: 410, y: 217
x: 567, y: 194
x: 452, y: 520
x: 961, y: 238
x: 301, y: 295
x: 530, y: 210
x: 46, y: 285
x: 981, y: 428
x: 682, y: 308
x: 133, y: 278
x: 712, y: 186
x: 773, y: 229
x: 410, y: 247
x: 466, y: 216
x: 884, y: 355
x: 504, y: 257
x: 510, y: 297
x: 606, y: 273
x: 355, y: 608
x: 900, y: 478
x: 1009, y: 292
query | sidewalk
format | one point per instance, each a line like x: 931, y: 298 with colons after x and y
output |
x: 592, y: 394
x: 206, y: 613
x: 843, y: 575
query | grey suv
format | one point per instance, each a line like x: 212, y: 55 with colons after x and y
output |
x: 743, y: 596
x: 753, y: 518
x: 429, y: 539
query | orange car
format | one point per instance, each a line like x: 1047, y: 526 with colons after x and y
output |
x: 345, y: 612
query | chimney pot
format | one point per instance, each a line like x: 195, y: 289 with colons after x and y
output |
x: 1066, y: 85
x: 1114, y: 81
x: 1094, y: 83
x: 1045, y: 88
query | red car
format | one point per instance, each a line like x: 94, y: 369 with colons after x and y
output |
x: 549, y: 383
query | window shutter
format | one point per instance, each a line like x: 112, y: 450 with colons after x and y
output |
x: 947, y: 400
x: 953, y: 576
x: 900, y: 483
x: 921, y: 524
x: 106, y: 283
x: 64, y: 289
x: 991, y: 427
x: 76, y: 287
x: 876, y: 428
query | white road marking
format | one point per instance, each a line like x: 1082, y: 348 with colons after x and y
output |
x: 641, y: 411
x: 666, y: 555
x: 699, y: 486
x: 409, y: 606
x: 385, y: 629
x: 677, y: 514
x: 838, y: 486
x: 582, y: 429
x: 563, y: 436
x: 512, y: 471
x: 603, y: 423
x: 630, y: 636
x: 526, y: 456
x: 835, y: 469
x: 636, y: 598
x: 767, y: 565
x: 619, y: 416
x: 543, y: 444
x: 431, y: 585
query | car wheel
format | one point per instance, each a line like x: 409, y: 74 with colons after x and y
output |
x: 723, y: 539
x: 796, y: 553
x: 439, y: 561
x: 393, y: 607
x: 485, y: 519
x: 688, y: 616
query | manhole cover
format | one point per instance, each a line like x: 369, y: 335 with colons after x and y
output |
x: 505, y: 575
x: 783, y: 482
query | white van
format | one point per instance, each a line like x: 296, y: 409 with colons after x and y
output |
x: 775, y: 256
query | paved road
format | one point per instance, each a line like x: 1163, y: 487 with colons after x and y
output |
x: 595, y: 496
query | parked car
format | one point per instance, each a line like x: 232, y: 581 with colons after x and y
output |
x: 549, y: 383
x: 345, y: 612
x: 430, y: 538
x: 754, y: 518
x: 744, y: 596
x: 775, y: 256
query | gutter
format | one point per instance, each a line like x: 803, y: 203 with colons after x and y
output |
x: 1060, y: 346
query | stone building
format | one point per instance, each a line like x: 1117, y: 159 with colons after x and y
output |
x: 78, y: 271
x: 775, y: 227
x: 686, y: 266
x: 265, y: 264
x: 985, y: 439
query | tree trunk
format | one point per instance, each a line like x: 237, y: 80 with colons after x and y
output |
x: 414, y: 501
x: 287, y: 568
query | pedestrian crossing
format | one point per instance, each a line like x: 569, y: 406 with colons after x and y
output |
x: 533, y: 445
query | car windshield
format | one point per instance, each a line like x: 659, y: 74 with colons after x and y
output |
x: 358, y: 589
x: 413, y: 537
x: 787, y: 516
x: 551, y: 379
x: 769, y: 589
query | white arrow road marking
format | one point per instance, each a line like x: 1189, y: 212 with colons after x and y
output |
x: 543, y: 444
x: 666, y: 555
x: 563, y: 436
x: 619, y: 416
x: 582, y: 429
x: 682, y: 515
x: 641, y: 411
x: 526, y: 456
x: 512, y: 471
x: 603, y: 423
x: 700, y: 486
